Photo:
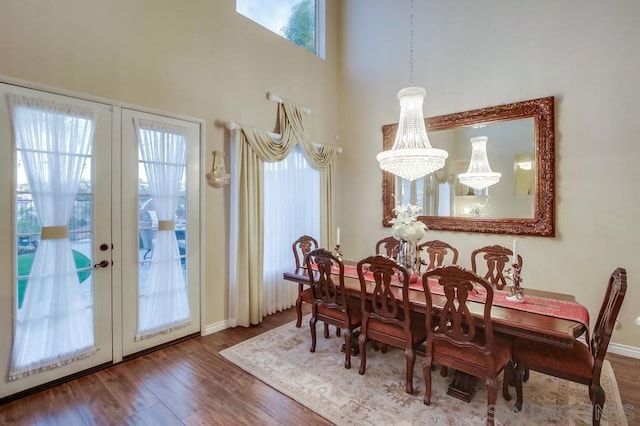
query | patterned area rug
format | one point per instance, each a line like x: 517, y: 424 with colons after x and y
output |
x: 281, y: 359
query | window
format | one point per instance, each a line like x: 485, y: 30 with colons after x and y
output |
x: 291, y: 209
x: 300, y: 21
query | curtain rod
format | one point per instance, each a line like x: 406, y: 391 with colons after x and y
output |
x: 232, y: 125
x: 275, y: 98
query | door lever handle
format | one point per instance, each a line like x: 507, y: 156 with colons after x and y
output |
x: 102, y: 264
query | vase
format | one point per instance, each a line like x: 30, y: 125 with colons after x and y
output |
x: 408, y: 256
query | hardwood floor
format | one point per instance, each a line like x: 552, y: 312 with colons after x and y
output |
x: 190, y: 384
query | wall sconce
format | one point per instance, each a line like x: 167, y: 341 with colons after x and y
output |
x: 218, y: 176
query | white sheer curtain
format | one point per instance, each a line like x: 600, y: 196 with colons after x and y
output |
x: 291, y: 209
x: 163, y: 298
x: 52, y: 327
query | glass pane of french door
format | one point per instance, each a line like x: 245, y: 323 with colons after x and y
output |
x: 23, y: 239
x: 151, y: 240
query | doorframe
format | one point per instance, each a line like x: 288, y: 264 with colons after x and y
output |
x: 116, y: 253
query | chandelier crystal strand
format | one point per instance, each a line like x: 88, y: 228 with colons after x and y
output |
x: 412, y: 155
x: 479, y: 174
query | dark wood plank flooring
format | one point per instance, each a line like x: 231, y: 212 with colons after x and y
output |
x: 191, y: 384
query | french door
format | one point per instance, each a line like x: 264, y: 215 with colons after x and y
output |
x: 161, y: 292
x: 91, y: 260
x: 39, y: 300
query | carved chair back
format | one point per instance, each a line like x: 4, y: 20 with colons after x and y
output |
x: 324, y: 287
x: 614, y: 296
x: 497, y: 260
x: 437, y: 252
x: 455, y: 324
x: 388, y: 246
x: 301, y: 247
x: 384, y: 305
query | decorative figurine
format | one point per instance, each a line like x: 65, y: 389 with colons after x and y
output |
x: 517, y: 292
x: 337, y: 252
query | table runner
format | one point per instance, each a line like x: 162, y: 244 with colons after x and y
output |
x: 562, y: 309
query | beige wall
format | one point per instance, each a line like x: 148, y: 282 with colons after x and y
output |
x: 471, y: 54
x: 197, y: 58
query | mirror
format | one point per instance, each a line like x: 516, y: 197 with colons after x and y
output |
x: 520, y: 146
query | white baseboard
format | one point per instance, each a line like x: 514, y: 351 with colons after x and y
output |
x: 215, y: 327
x: 624, y: 350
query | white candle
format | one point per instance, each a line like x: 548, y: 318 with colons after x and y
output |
x: 515, y: 251
x: 338, y: 236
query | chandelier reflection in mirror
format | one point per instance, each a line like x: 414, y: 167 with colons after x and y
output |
x: 412, y: 155
x: 479, y: 174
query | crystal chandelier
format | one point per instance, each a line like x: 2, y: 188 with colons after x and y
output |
x: 479, y: 174
x: 411, y: 156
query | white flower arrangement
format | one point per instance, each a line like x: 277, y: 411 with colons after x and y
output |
x: 406, y: 226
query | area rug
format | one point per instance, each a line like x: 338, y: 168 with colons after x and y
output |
x: 319, y: 381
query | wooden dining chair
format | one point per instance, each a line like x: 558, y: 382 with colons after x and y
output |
x: 497, y: 260
x: 460, y: 341
x: 301, y: 247
x: 438, y: 253
x: 581, y: 363
x: 330, y: 301
x: 389, y: 247
x: 387, y: 317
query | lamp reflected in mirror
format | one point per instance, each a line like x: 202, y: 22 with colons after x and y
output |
x: 523, y: 165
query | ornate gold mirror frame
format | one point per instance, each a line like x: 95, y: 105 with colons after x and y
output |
x: 543, y: 221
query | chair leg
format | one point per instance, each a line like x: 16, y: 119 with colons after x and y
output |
x: 507, y: 378
x: 426, y: 370
x: 338, y: 331
x: 492, y: 396
x: 347, y: 348
x: 597, y: 399
x: 326, y: 330
x: 410, y: 355
x: 362, y: 343
x: 312, y: 327
x: 517, y: 380
x: 299, y: 307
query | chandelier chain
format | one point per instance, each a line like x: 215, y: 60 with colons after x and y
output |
x: 411, y: 42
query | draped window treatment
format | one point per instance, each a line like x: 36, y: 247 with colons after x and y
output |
x: 437, y: 192
x: 53, y: 327
x: 250, y: 149
x: 163, y: 298
x: 291, y: 209
x: 433, y: 193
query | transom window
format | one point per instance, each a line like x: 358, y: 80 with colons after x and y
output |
x: 299, y: 21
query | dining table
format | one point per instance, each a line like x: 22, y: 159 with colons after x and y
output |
x: 543, y: 316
